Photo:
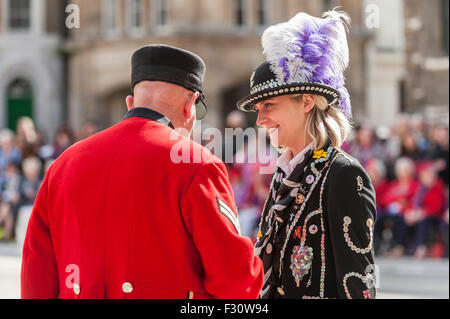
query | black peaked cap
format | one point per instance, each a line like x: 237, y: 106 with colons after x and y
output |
x: 264, y: 84
x: 165, y: 63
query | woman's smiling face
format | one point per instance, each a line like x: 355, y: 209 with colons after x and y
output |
x: 284, y: 119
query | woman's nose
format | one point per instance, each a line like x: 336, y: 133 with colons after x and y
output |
x: 261, y: 119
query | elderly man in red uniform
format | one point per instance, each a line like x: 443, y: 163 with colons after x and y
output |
x: 119, y: 215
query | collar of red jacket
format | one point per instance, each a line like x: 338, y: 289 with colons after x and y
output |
x: 148, y: 114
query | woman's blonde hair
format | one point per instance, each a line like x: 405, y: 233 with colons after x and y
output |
x: 322, y: 125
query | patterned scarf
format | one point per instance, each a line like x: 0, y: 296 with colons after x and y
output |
x: 285, y: 192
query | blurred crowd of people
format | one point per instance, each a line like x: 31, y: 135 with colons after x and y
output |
x: 25, y: 156
x: 408, y: 165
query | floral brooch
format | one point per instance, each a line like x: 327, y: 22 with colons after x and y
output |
x: 320, y: 153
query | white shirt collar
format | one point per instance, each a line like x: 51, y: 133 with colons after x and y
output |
x: 287, y: 163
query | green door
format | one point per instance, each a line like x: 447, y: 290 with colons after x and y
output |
x: 19, y: 102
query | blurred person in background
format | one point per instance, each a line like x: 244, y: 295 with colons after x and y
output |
x: 410, y: 148
x: 377, y: 173
x: 88, y: 128
x: 439, y: 151
x: 400, y: 126
x: 63, y: 139
x: 420, y: 130
x: 27, y: 137
x: 249, y: 184
x: 44, y: 150
x: 365, y: 146
x: 9, y: 152
x: 397, y: 199
x: 47, y: 164
x: 425, y: 213
x: 403, y: 123
x: 444, y: 226
x: 234, y: 139
x: 29, y: 187
x: 10, y: 181
x: 244, y: 174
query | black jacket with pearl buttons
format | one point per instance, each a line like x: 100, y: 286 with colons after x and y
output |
x: 318, y: 225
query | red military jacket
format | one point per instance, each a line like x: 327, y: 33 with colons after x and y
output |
x: 118, y: 217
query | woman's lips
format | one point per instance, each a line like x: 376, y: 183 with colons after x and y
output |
x: 273, y: 130
x: 273, y: 134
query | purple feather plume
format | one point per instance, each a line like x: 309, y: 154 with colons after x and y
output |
x: 309, y: 49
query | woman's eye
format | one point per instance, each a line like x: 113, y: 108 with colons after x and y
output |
x: 267, y: 105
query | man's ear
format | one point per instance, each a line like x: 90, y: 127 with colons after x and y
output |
x: 130, y: 102
x: 309, y: 101
x: 190, y: 104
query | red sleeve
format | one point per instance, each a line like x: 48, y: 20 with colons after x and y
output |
x: 384, y: 195
x: 232, y: 271
x: 433, y: 203
x: 39, y: 277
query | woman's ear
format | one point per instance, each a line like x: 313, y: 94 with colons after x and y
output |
x: 309, y: 100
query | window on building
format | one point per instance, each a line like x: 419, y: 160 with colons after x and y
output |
x: 19, y: 14
x: 110, y: 16
x: 240, y: 12
x: 135, y: 15
x: 162, y: 12
x: 263, y: 12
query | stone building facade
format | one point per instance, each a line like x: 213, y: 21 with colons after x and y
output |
x: 30, y: 63
x: 398, y: 54
x: 427, y: 58
x: 225, y: 33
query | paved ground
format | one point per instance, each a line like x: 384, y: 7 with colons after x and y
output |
x: 403, y: 278
x: 9, y: 271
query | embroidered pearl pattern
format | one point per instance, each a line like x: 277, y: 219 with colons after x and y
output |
x: 299, y: 213
x: 301, y: 261
x: 322, y: 227
x: 272, y: 84
x: 313, y: 297
x: 269, y: 248
x: 302, y: 256
x: 303, y: 240
x: 352, y: 274
x: 369, y: 224
x: 359, y: 183
x: 297, y: 216
x: 313, y: 229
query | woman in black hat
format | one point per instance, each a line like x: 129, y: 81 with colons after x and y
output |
x: 316, y: 232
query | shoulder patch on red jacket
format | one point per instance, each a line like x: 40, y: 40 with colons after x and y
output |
x: 228, y: 212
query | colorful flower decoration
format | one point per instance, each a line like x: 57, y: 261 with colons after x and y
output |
x: 366, y: 294
x: 301, y: 261
x: 319, y: 154
x: 297, y: 232
x: 300, y: 198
